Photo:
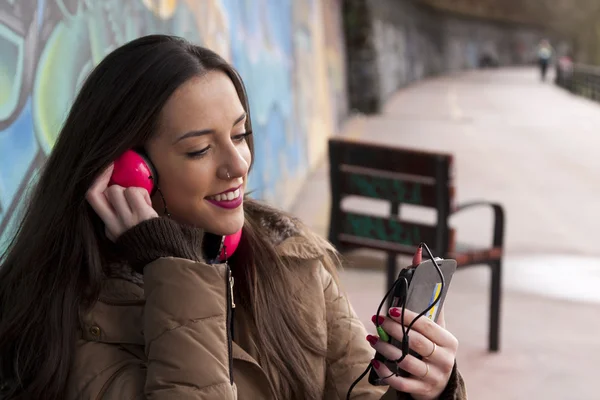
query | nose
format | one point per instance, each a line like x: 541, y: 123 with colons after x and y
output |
x: 234, y: 164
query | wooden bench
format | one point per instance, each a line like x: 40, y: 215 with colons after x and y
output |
x: 404, y: 176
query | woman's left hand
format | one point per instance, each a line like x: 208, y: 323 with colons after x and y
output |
x: 438, y: 347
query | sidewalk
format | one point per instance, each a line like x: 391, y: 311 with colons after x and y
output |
x: 532, y: 147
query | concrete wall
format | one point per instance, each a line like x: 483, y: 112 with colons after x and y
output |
x: 400, y: 42
x: 290, y: 54
x: 588, y: 41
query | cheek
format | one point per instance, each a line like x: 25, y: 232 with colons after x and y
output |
x: 188, y: 179
x: 246, y: 155
x: 198, y: 178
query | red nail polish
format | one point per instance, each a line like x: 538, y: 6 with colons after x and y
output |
x: 377, y: 319
x: 394, y: 312
x: 372, y: 339
x: 376, y: 364
x: 418, y: 257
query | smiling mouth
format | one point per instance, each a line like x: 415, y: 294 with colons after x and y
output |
x: 228, y: 196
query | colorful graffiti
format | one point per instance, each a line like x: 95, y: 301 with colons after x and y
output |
x: 47, y: 48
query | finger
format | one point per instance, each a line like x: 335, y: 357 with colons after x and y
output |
x: 117, y: 200
x: 96, y: 198
x: 102, y: 207
x: 147, y: 198
x: 426, y: 327
x: 441, y: 320
x: 109, y: 235
x: 401, y: 384
x: 410, y: 364
x: 101, y: 182
x: 137, y: 198
x: 417, y: 342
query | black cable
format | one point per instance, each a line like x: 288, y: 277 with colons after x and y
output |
x: 437, y: 299
x: 370, y: 366
x: 166, y: 212
x: 358, y: 380
x: 405, y: 338
x: 405, y: 330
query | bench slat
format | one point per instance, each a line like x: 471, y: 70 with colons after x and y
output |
x: 388, y: 234
x: 400, y: 189
x: 385, y: 158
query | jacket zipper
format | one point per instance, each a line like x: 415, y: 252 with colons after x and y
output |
x: 230, y: 306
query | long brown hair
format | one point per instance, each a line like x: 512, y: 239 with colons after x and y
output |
x: 53, y: 266
x: 274, y: 288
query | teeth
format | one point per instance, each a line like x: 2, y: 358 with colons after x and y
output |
x: 229, y: 196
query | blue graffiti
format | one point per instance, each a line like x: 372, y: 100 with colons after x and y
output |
x: 262, y: 51
x: 56, y: 43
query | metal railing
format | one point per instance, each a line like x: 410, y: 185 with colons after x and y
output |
x: 580, y: 79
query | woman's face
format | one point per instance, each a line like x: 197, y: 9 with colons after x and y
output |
x: 202, y: 156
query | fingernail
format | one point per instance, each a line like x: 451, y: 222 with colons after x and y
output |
x: 376, y: 364
x: 394, y: 312
x: 372, y: 339
x: 377, y: 319
x: 418, y: 257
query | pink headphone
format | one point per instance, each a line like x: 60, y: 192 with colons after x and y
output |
x: 134, y: 168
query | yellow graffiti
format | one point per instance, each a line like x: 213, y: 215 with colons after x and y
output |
x: 163, y: 9
x: 211, y: 21
x: 213, y: 25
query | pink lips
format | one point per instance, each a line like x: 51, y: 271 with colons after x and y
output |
x: 229, y: 204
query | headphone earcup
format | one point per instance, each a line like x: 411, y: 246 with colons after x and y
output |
x: 230, y: 245
x: 133, y: 169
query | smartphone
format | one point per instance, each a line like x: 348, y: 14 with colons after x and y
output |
x: 424, y: 286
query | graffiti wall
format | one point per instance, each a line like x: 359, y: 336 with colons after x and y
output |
x: 288, y: 53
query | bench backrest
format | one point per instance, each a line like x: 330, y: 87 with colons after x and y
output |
x: 399, y: 176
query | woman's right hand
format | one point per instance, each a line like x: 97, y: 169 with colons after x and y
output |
x: 120, y: 208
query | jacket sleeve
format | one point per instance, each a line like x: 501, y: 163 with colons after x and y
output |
x: 185, y: 322
x: 349, y: 354
x: 456, y: 389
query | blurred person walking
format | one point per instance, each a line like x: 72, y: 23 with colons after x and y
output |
x: 544, y: 54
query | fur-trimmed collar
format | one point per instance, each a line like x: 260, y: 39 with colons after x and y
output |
x: 288, y: 234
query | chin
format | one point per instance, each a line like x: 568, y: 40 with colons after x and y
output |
x: 228, y: 227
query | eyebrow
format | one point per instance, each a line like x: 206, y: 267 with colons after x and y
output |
x: 206, y: 131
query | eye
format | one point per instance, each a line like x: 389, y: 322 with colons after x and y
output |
x: 241, y: 137
x: 199, y: 153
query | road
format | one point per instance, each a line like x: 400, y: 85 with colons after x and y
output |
x: 534, y: 148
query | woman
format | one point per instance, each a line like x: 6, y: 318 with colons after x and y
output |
x: 108, y: 293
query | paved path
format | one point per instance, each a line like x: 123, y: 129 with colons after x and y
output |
x: 534, y: 148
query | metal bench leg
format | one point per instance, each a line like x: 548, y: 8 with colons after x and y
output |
x: 495, y: 300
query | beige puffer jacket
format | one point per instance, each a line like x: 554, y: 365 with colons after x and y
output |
x: 170, y: 337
